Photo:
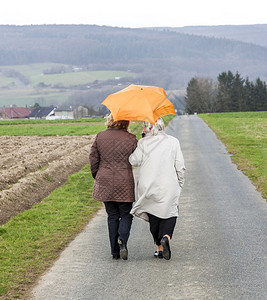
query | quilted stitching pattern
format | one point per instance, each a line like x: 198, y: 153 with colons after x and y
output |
x: 109, y: 161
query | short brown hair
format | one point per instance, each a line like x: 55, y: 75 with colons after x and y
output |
x: 120, y: 124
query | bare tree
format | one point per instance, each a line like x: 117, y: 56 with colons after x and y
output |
x: 200, y: 95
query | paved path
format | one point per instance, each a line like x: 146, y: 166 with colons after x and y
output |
x: 218, y: 248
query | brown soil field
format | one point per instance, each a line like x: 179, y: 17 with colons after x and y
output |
x: 31, y: 167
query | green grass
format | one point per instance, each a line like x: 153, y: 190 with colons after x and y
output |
x: 245, y: 135
x: 34, y: 72
x: 29, y: 96
x: 6, y: 81
x: 70, y: 127
x: 41, y: 121
x: 167, y: 119
x: 77, y: 78
x: 31, y: 241
x: 50, y: 130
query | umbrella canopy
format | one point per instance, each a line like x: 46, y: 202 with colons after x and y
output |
x: 137, y: 102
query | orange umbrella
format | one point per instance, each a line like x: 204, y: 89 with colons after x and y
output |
x: 137, y: 102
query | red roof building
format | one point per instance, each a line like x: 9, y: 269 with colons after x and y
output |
x: 14, y: 112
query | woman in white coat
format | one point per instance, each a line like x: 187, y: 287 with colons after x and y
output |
x: 158, y: 184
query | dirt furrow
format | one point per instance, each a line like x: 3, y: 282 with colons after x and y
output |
x: 24, y: 188
x: 20, y: 156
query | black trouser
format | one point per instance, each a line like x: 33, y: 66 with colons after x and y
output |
x: 160, y: 227
x: 119, y: 223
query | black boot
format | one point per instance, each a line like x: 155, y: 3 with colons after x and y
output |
x: 158, y: 254
x: 123, y: 249
x: 166, y: 253
x: 116, y: 256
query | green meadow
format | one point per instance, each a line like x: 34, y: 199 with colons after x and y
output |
x: 77, y: 78
x: 245, y: 136
x: 35, y: 73
x: 62, y: 127
x: 51, y: 130
x: 58, y: 87
x: 51, y: 122
x: 28, y: 96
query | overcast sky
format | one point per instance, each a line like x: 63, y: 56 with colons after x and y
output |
x: 135, y: 13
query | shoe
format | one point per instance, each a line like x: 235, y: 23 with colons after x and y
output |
x: 116, y: 256
x: 123, y: 249
x: 166, y: 253
x: 158, y: 254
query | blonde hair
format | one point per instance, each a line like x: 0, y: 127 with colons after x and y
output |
x: 120, y: 124
x: 150, y: 129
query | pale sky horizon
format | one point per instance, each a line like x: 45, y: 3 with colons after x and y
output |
x: 134, y: 14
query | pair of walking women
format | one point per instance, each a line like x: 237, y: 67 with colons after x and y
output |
x: 158, y: 165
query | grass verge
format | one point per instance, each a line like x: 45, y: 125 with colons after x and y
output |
x: 245, y: 136
x: 41, y: 121
x: 51, y: 130
x: 70, y: 127
x: 32, y: 240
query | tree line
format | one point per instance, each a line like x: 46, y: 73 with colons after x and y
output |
x: 230, y: 93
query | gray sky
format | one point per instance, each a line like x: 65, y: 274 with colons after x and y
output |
x: 135, y: 13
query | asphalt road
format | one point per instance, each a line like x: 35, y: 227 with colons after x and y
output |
x: 218, y: 248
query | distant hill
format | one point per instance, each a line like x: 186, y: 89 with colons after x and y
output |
x: 166, y: 58
x: 39, y: 63
x: 255, y: 34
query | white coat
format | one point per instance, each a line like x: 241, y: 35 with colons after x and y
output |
x: 159, y: 176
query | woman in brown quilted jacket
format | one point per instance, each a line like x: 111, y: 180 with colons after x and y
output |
x: 114, y: 183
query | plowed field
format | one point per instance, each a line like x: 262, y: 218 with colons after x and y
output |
x: 33, y: 166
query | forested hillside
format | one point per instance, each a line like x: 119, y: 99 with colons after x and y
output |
x: 255, y: 34
x: 164, y: 58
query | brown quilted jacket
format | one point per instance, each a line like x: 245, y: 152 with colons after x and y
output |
x: 110, y: 166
